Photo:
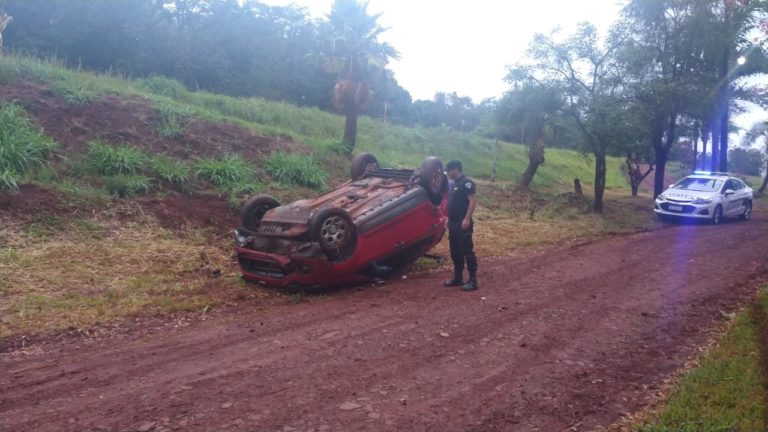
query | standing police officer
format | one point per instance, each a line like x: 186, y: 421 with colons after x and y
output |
x: 461, y: 205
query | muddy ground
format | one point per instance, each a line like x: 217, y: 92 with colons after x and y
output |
x: 569, y: 339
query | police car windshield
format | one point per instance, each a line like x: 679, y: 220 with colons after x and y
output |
x: 699, y: 184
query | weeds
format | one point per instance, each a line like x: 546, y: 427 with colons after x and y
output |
x: 296, y: 169
x: 76, y: 93
x: 104, y: 159
x: 162, y: 86
x: 170, y: 170
x: 226, y: 173
x: 173, y: 119
x: 22, y: 146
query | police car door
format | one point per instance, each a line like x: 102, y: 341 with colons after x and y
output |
x: 731, y: 200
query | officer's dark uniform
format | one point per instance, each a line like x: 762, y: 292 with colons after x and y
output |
x: 462, y: 248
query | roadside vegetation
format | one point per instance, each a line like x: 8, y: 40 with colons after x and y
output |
x: 727, y: 391
x: 23, y: 147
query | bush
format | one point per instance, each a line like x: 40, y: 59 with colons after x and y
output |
x: 127, y: 185
x: 170, y: 170
x: 227, y: 173
x: 22, y: 146
x: 104, y: 159
x: 296, y: 169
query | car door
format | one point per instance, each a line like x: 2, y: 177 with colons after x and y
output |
x: 731, y: 201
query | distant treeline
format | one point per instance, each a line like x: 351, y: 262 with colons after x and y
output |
x: 240, y: 48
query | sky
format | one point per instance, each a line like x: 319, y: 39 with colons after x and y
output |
x: 465, y: 45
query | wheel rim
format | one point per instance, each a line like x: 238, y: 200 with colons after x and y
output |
x: 718, y: 215
x: 334, y: 231
x: 437, y: 180
x: 748, y: 212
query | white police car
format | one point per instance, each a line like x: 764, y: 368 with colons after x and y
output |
x: 706, y: 195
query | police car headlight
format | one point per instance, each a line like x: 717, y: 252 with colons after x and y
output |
x: 660, y: 198
x: 702, y: 201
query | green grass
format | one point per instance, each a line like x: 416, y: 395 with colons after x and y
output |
x: 77, y: 93
x: 725, y: 392
x: 105, y: 159
x: 230, y: 173
x: 296, y: 169
x: 170, y: 170
x: 122, y: 185
x: 23, y: 147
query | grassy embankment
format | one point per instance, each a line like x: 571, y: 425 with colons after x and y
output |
x: 728, y: 389
x: 98, y: 258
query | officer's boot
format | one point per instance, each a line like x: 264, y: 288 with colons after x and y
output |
x: 471, y: 284
x: 457, y: 279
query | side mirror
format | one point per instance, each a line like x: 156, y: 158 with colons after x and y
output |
x: 729, y: 192
x: 669, y: 186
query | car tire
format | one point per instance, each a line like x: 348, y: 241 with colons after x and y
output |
x: 360, y: 164
x: 254, y: 209
x: 431, y: 177
x: 717, y: 215
x: 747, y: 212
x: 333, y: 229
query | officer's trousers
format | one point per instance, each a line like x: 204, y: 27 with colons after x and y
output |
x: 462, y: 248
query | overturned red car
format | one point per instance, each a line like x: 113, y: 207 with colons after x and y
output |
x: 375, y: 224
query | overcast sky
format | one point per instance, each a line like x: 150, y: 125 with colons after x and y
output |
x: 465, y: 45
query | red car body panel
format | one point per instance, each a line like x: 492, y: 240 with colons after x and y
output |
x: 395, y: 223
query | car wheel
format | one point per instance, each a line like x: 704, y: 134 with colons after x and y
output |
x: 360, y: 164
x: 334, y: 230
x: 717, y: 216
x: 431, y: 177
x: 747, y: 212
x: 254, y: 209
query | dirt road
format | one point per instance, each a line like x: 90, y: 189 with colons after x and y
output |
x: 565, y: 340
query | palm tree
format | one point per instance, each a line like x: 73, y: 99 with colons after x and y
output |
x: 760, y: 130
x: 356, y: 51
x: 5, y: 19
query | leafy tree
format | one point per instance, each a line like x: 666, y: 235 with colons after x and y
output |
x: 532, y: 113
x: 356, y: 52
x: 583, y: 69
x: 745, y: 161
x: 760, y: 132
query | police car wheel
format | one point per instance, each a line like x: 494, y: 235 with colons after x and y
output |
x: 717, y: 216
x: 747, y: 212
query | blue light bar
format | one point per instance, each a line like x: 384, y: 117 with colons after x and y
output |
x: 703, y: 172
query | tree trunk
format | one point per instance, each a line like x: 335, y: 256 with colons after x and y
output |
x: 715, y: 161
x: 765, y: 182
x: 535, y: 158
x: 350, y: 131
x: 635, y: 173
x: 600, y: 170
x: 661, y: 161
x: 577, y: 187
x: 725, y: 98
x: 723, y: 165
x: 704, y: 140
x: 695, y: 145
